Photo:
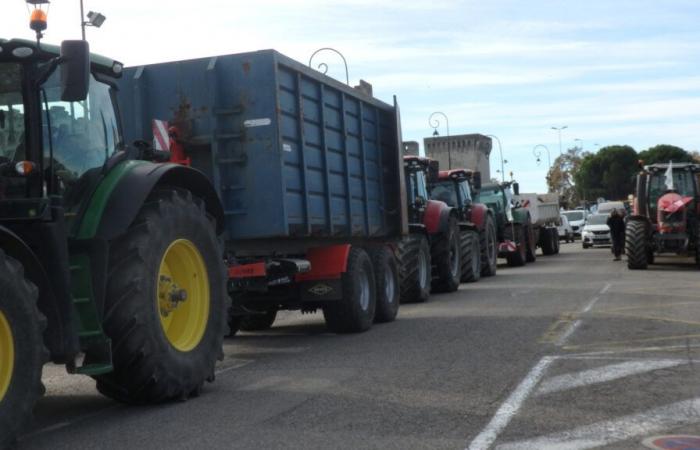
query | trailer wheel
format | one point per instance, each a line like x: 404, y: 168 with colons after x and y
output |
x: 636, y: 245
x: 547, y: 241
x: 386, y: 273
x: 555, y: 238
x: 355, y: 311
x: 515, y: 233
x: 531, y: 252
x: 258, y: 322
x: 22, y: 351
x: 166, y: 304
x: 414, y: 268
x: 471, y: 256
x: 488, y: 243
x: 447, y: 259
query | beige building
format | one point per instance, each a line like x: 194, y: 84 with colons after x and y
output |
x: 465, y: 151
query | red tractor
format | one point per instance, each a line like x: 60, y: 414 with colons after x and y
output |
x: 441, y: 247
x: 665, y: 215
x: 457, y: 188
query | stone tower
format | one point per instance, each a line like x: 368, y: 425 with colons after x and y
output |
x: 464, y: 151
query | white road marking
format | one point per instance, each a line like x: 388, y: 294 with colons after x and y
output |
x: 511, y: 406
x: 235, y: 364
x: 605, y: 433
x: 605, y: 288
x: 604, y: 374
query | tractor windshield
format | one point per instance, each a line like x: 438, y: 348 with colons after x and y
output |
x: 445, y: 192
x: 81, y: 135
x: 11, y: 110
x: 683, y: 183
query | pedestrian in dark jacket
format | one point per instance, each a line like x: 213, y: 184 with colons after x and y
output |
x: 617, y: 232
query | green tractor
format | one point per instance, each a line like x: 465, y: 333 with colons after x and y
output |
x: 111, y: 263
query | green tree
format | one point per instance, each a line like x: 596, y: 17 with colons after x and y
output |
x: 664, y: 153
x: 608, y: 173
x: 560, y: 176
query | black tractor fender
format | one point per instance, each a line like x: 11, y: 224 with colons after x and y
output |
x: 58, y: 336
x: 134, y: 188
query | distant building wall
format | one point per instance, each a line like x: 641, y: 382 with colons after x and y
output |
x: 465, y: 151
x: 410, y: 148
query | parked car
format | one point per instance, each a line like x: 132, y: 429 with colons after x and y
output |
x: 577, y: 219
x: 596, y: 231
x: 565, y: 230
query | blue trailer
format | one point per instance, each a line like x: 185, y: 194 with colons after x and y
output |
x: 309, y: 172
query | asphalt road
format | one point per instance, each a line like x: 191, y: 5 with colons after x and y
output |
x: 573, y: 351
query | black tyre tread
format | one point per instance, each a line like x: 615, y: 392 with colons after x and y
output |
x: 257, y: 322
x: 471, y: 252
x: 407, y: 253
x: 489, y: 263
x: 636, y: 245
x: 26, y: 387
x: 547, y: 241
x: 383, y: 259
x: 345, y: 316
x: 443, y: 280
x: 515, y: 233
x: 147, y: 369
x: 531, y: 250
x: 555, y: 239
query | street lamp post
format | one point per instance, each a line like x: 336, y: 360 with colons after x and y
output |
x: 559, y: 131
x: 500, y: 152
x: 580, y: 141
x: 435, y: 124
x: 94, y: 19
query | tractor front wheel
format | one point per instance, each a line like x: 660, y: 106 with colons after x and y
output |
x: 447, y: 259
x: 488, y: 242
x: 166, y: 303
x: 471, y: 256
x: 22, y: 352
x: 516, y: 234
x: 414, y: 268
x: 637, y: 245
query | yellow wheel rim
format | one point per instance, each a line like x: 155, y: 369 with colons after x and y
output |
x: 7, y: 355
x: 182, y: 296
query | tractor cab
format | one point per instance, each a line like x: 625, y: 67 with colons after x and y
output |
x: 58, y: 126
x: 419, y: 173
x: 456, y: 187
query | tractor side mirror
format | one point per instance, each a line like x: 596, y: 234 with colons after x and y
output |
x: 75, y: 70
x: 476, y: 181
x: 516, y: 188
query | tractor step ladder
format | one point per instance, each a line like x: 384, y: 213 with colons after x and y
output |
x: 93, y: 342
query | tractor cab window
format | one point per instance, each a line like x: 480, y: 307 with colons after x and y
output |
x: 445, y: 192
x: 81, y: 135
x: 683, y: 183
x: 11, y: 110
x: 416, y: 186
x: 466, y: 192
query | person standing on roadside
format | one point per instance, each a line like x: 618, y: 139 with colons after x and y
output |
x: 617, y: 232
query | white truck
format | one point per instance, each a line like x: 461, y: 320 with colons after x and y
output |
x: 544, y: 218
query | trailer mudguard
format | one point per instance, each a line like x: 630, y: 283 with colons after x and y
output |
x: 59, y: 337
x: 479, y: 211
x: 120, y: 195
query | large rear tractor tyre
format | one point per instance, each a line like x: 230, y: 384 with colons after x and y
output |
x: 354, y: 313
x: 386, y: 273
x: 166, y: 304
x: 414, y: 269
x: 447, y: 259
x: 258, y: 322
x: 637, y: 245
x: 488, y: 242
x: 515, y: 233
x: 531, y: 251
x: 471, y: 256
x: 22, y: 351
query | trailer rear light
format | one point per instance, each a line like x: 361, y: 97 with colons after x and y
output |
x: 24, y: 168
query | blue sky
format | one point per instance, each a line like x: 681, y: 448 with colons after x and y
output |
x: 614, y: 72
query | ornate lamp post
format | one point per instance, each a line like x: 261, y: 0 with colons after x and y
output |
x: 538, y: 153
x: 323, y: 67
x: 435, y: 124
